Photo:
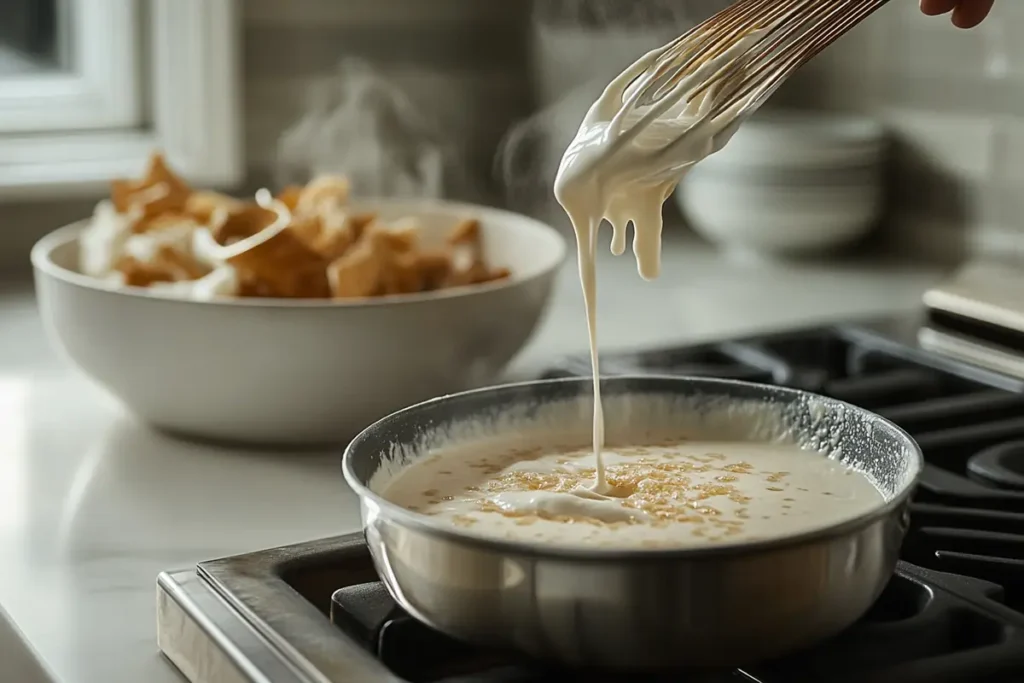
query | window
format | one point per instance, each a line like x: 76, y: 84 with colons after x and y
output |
x: 89, y: 87
x: 31, y: 38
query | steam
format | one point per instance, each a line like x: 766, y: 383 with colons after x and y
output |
x: 529, y: 154
x: 364, y: 125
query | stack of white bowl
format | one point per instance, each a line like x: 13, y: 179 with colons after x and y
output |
x: 789, y: 184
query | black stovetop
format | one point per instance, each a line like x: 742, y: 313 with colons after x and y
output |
x: 954, y: 611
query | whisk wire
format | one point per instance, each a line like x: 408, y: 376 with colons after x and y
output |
x: 791, y: 33
x: 788, y: 31
x: 774, y: 37
x: 823, y: 29
x: 679, y: 58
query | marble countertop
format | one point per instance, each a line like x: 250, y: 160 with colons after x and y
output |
x: 93, y: 505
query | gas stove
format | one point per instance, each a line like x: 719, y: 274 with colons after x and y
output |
x: 954, y: 610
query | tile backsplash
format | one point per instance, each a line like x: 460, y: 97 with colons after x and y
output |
x: 954, y: 102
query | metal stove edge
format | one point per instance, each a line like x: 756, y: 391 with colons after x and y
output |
x: 235, y: 620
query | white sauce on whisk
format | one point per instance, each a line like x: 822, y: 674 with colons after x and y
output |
x: 621, y: 168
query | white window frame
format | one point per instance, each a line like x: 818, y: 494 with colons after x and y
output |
x: 189, y: 89
x: 102, y: 91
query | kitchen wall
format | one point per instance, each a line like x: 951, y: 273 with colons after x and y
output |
x: 461, y: 61
x: 954, y: 101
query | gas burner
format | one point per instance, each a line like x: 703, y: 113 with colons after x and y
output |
x: 954, y: 611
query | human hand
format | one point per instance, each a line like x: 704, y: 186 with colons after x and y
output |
x: 966, y: 13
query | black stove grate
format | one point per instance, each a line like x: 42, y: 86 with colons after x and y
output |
x: 955, y: 609
x: 926, y: 627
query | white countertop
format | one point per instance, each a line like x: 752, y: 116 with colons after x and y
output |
x: 93, y: 506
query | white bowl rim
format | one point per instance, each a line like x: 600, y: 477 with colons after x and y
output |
x: 841, y: 129
x: 43, y: 250
x: 738, y: 185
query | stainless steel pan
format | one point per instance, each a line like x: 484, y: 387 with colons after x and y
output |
x: 727, y: 605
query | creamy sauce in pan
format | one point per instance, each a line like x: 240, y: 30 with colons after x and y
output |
x: 667, y: 495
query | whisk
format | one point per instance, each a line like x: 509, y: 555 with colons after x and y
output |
x: 783, y: 35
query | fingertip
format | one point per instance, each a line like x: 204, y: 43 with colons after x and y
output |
x: 967, y: 15
x: 962, y: 23
x: 934, y: 8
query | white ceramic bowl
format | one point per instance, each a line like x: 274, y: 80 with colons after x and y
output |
x: 751, y: 217
x: 803, y: 140
x: 265, y: 371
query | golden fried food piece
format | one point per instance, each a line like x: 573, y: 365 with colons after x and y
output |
x: 403, y: 238
x: 338, y: 232
x: 476, y: 274
x: 159, y: 192
x: 466, y: 233
x: 332, y: 243
x: 381, y: 263
x: 252, y: 287
x: 323, y: 191
x: 358, y: 273
x: 168, y: 220
x: 204, y: 207
x: 167, y: 265
x: 400, y: 275
x: 435, y: 267
x: 244, y: 222
x: 285, y: 267
x: 468, y: 236
x: 327, y: 249
x: 307, y: 229
x: 465, y: 238
x: 495, y: 275
x: 139, y: 274
x: 357, y: 223
x: 289, y: 196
